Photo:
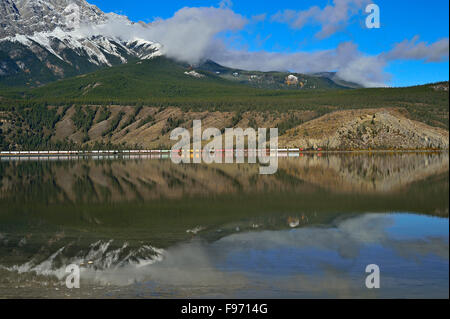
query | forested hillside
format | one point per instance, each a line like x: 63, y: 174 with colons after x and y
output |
x: 139, y: 104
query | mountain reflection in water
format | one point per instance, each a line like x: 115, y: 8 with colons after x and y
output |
x: 150, y: 228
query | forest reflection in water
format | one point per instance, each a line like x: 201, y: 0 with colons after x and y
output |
x: 104, y: 180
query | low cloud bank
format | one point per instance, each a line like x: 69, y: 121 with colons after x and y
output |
x: 194, y: 34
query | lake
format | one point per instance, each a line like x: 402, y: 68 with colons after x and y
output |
x: 144, y: 227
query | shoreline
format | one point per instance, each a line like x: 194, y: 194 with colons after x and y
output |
x: 168, y: 153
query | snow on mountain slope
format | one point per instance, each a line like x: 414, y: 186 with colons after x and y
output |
x: 42, y: 40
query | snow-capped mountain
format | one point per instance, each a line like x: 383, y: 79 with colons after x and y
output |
x: 43, y: 40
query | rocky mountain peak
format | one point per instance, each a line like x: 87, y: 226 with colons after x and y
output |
x: 27, y: 17
x: 44, y: 40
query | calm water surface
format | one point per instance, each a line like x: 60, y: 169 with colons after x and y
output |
x: 148, y: 228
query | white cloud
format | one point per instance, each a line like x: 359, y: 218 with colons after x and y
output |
x: 331, y: 18
x: 414, y: 50
x: 191, y: 31
x: 186, y: 36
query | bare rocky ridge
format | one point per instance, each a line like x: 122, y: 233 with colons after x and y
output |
x: 366, y: 129
x: 150, y: 128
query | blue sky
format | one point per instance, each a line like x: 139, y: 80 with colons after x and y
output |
x: 400, y: 20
